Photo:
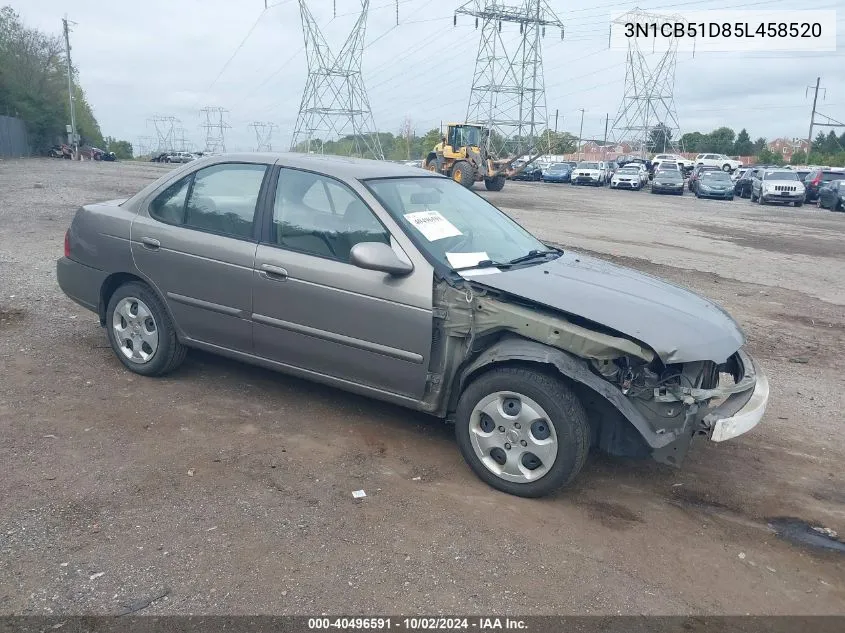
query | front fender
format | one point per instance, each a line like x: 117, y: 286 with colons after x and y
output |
x: 516, y: 349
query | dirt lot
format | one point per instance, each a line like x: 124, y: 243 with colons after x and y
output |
x: 227, y: 489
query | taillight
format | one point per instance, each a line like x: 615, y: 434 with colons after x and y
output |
x: 67, y: 243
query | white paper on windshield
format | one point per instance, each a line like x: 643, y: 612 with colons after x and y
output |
x: 477, y: 272
x: 432, y: 225
x: 463, y: 260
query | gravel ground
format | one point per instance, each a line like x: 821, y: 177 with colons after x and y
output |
x: 226, y: 489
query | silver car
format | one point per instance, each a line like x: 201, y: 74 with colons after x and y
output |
x: 405, y: 286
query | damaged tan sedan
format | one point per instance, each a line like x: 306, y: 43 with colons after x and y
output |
x: 402, y: 285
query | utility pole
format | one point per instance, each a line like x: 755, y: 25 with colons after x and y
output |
x: 604, y: 143
x: 580, y: 132
x: 556, y: 113
x: 813, y: 115
x: 73, y: 138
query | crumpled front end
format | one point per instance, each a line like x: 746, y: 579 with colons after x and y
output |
x: 698, y: 398
x: 638, y: 402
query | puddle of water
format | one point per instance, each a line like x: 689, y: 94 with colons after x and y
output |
x: 801, y: 533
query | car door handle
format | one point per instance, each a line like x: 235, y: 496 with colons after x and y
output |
x: 273, y: 273
x: 150, y: 243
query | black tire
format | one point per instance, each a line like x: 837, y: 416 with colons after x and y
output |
x: 799, y: 204
x: 463, y: 174
x: 751, y: 196
x: 566, y: 416
x: 170, y: 352
x: 496, y: 183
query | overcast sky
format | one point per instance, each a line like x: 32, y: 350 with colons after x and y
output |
x: 169, y: 57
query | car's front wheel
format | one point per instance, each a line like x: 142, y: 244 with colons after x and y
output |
x: 522, y: 431
x: 140, y: 331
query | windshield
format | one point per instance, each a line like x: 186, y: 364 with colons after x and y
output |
x: 629, y: 170
x: 455, y: 226
x: 583, y: 165
x: 781, y: 175
x: 559, y: 167
x: 671, y: 174
x: 465, y: 135
x: 715, y: 176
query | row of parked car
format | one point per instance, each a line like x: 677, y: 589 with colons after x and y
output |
x: 175, y: 157
x: 770, y: 183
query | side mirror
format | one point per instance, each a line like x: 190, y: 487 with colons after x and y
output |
x: 378, y: 256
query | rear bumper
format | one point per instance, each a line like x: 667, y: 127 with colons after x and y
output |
x: 80, y: 282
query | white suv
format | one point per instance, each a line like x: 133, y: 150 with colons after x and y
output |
x: 718, y: 160
x: 682, y: 162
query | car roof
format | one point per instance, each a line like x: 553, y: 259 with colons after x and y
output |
x: 339, y: 166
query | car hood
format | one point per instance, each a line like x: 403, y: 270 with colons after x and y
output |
x: 677, y: 324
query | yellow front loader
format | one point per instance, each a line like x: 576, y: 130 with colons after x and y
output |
x: 462, y: 155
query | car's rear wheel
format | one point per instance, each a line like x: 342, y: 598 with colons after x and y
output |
x: 140, y: 331
x: 522, y: 431
x: 726, y: 168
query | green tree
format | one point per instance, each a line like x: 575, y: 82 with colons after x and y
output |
x: 691, y: 141
x: 758, y: 145
x: 743, y: 145
x: 768, y: 157
x: 721, y: 140
x: 819, y: 143
x: 798, y: 158
x: 121, y: 149
x: 831, y: 144
x: 33, y: 84
x: 660, y: 137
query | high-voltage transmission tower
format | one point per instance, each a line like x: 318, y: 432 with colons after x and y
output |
x: 334, y: 103
x: 263, y: 135
x: 508, y: 92
x: 215, y: 126
x: 648, y: 103
x: 144, y: 145
x: 165, y: 132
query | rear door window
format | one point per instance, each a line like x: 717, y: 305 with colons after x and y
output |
x: 223, y: 199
